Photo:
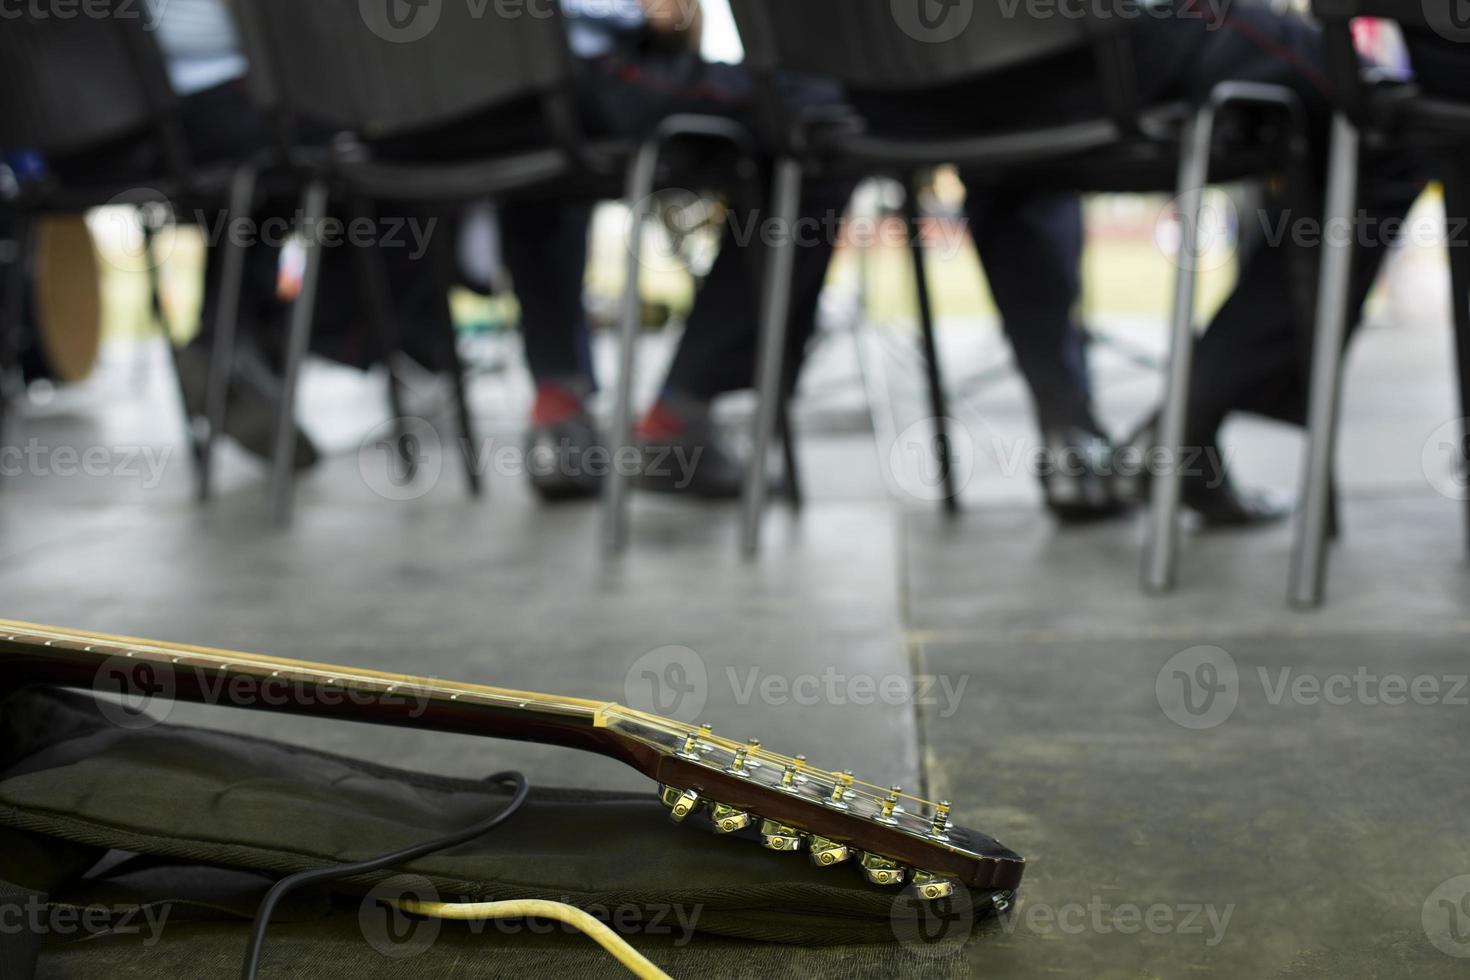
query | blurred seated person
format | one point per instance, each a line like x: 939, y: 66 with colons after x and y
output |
x: 1253, y: 357
x: 206, y: 67
x: 641, y: 62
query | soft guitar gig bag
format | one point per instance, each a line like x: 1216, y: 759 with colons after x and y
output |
x: 144, y: 853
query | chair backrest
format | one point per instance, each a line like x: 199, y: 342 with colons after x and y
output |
x: 70, y: 84
x: 386, y: 67
x: 895, y: 45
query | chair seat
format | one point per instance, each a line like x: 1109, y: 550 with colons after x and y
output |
x: 1404, y: 112
x: 1091, y: 155
x: 412, y: 180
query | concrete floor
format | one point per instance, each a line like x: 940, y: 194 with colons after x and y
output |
x: 1332, y: 835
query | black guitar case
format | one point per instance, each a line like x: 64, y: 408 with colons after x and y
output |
x: 143, y: 853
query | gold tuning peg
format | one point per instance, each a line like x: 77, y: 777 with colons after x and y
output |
x: 826, y: 853
x: 690, y: 748
x: 753, y: 753
x: 743, y: 762
x: 890, y: 805
x: 941, y: 821
x: 727, y: 819
x: 930, y: 887
x: 791, y: 777
x: 681, y: 802
x: 779, y: 837
x: 880, y: 870
x: 840, y: 789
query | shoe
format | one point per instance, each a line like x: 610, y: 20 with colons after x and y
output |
x: 1224, y: 507
x: 557, y: 446
x: 253, y: 399
x: 1213, y: 497
x: 1078, y: 477
x: 682, y: 452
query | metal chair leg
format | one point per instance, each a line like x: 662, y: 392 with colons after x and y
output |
x: 227, y: 319
x: 794, y: 489
x: 370, y: 276
x: 303, y: 312
x: 640, y: 186
x: 776, y: 289
x: 1162, y: 552
x: 1457, y: 207
x: 938, y: 401
x: 442, y: 256
x: 232, y: 253
x: 159, y: 315
x: 1309, y: 552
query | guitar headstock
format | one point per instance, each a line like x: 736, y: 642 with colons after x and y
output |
x: 893, y: 838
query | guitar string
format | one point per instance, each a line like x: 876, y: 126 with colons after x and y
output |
x: 458, y: 693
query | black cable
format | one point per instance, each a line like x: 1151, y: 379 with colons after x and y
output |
x: 287, y: 885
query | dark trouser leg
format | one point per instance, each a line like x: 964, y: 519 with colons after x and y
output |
x: 1252, y: 358
x: 545, y: 246
x: 718, y: 350
x: 1030, y: 245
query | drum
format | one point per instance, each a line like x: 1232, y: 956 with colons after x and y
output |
x: 61, y: 337
x: 66, y: 303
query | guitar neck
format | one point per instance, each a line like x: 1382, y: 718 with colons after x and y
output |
x: 145, y: 672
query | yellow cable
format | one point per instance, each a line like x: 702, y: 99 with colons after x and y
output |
x: 533, y: 908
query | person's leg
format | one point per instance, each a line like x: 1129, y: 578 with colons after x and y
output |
x: 545, y: 249
x: 1253, y: 355
x: 718, y: 350
x: 1030, y: 246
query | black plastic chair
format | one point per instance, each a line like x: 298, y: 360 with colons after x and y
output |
x: 1374, y: 110
x: 349, y: 67
x: 79, y: 86
x: 1131, y: 147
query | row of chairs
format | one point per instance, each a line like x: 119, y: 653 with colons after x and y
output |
x: 321, y: 61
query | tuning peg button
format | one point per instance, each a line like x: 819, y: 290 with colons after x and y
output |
x: 880, y: 870
x: 930, y: 887
x: 728, y: 820
x: 826, y: 853
x: 779, y: 837
x: 681, y: 803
